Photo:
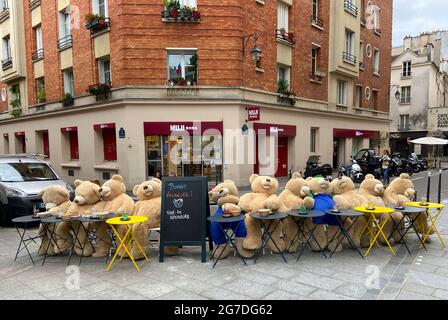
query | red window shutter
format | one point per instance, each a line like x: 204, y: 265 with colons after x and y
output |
x: 110, y: 144
x: 74, y: 150
x: 46, y: 143
x: 23, y: 144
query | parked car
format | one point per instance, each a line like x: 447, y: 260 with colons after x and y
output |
x: 22, y: 177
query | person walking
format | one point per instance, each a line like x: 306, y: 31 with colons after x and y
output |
x: 385, y: 163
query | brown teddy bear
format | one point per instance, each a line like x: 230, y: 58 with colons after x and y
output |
x: 87, y: 195
x: 57, y: 201
x: 295, y: 196
x: 226, y: 195
x: 346, y: 197
x: 114, y: 200
x: 263, y: 196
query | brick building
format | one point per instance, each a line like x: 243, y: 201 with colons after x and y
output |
x: 100, y: 86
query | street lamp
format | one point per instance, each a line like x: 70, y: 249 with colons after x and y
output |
x: 256, y: 52
x: 397, y: 94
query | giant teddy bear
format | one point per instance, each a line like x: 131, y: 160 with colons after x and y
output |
x: 263, y: 196
x: 295, y: 196
x: 87, y: 195
x: 346, y: 197
x: 226, y: 195
x: 57, y: 201
x: 114, y: 200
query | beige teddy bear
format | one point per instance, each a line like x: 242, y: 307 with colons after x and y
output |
x: 263, y: 196
x: 87, y: 195
x: 346, y: 197
x: 114, y: 200
x: 295, y: 196
x: 57, y: 201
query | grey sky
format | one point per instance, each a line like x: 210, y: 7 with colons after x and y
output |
x: 411, y: 17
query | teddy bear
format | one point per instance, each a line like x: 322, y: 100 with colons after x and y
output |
x: 295, y: 196
x: 263, y: 196
x: 226, y: 195
x: 373, y: 190
x: 402, y: 190
x: 87, y: 195
x: 57, y: 201
x: 114, y: 200
x: 346, y: 197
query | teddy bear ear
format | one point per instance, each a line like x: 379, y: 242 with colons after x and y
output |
x: 370, y: 177
x: 96, y: 181
x: 253, y: 177
x: 309, y: 179
x: 117, y: 177
x: 77, y: 182
x: 135, y: 190
x: 157, y: 180
x: 405, y: 176
x: 296, y: 175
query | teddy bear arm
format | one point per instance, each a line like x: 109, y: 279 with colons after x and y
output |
x: 272, y: 203
x: 246, y: 202
x: 342, y: 202
x: 229, y: 199
x: 308, y: 202
x: 230, y: 207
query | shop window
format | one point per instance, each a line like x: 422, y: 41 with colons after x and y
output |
x: 182, y: 67
x: 104, y: 74
x: 154, y: 157
x: 314, y: 134
x: 43, y: 143
x: 109, y: 144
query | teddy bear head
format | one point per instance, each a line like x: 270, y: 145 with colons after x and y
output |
x: 298, y: 186
x: 86, y: 192
x: 226, y: 192
x: 54, y: 196
x: 402, y: 186
x: 372, y: 186
x: 148, y: 189
x: 113, y: 188
x: 319, y: 185
x: 342, y: 185
x: 263, y: 184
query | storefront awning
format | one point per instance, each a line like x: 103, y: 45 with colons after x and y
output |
x: 104, y: 126
x: 280, y: 129
x: 69, y: 129
x: 18, y: 134
x: 193, y: 128
x: 350, y: 133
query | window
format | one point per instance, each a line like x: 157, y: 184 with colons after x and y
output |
x: 38, y: 35
x: 183, y: 66
x: 361, y: 55
x: 315, y: 18
x: 405, y: 95
x: 284, y: 78
x: 404, y: 122
x: 40, y: 90
x: 407, y: 69
x: 376, y: 62
x: 314, y: 59
x: 190, y: 3
x: 104, y: 74
x: 314, y: 134
x: 315, y: 9
x: 349, y: 47
x: 373, y: 17
x: 375, y: 99
x: 101, y: 8
x: 4, y: 5
x: 74, y: 147
x: 350, y: 7
x: 342, y: 88
x: 64, y: 23
x: 43, y: 143
x: 69, y: 82
x: 6, y: 48
x: 282, y: 16
x: 109, y: 144
x: 362, y: 11
x: 358, y: 96
x: 20, y: 142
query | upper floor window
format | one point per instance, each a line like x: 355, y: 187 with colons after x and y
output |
x: 404, y: 122
x: 284, y: 78
x: 405, y: 95
x: 349, y: 47
x: 361, y: 55
x: 315, y: 17
x: 182, y: 67
x: 38, y: 35
x: 100, y: 7
x: 282, y: 17
x: 358, y: 96
x: 64, y: 23
x: 373, y: 17
x: 375, y: 99
x: 6, y: 48
x: 4, y: 5
x: 376, y: 61
x: 104, y: 74
x: 350, y: 7
x: 69, y: 82
x: 407, y: 69
x: 342, y: 90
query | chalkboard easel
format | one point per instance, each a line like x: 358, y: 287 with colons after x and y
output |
x: 183, y: 218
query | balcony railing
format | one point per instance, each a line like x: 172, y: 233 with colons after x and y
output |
x: 7, y: 63
x: 350, y: 7
x: 282, y: 34
x: 65, y: 42
x: 378, y: 32
x: 348, y: 57
x: 37, y: 55
x: 4, y: 14
x: 316, y: 21
x: 98, y: 24
x: 32, y: 4
x: 181, y: 15
x: 363, y: 21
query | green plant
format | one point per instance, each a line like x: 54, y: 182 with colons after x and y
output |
x: 16, y: 112
x: 282, y: 86
x: 41, y: 96
x: 166, y: 3
x: 67, y: 100
x: 16, y: 104
x: 100, y: 91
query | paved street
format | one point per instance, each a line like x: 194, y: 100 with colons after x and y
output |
x: 422, y: 275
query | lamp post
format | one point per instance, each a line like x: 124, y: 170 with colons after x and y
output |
x: 256, y: 52
x: 397, y: 94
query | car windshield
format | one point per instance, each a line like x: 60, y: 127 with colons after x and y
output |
x: 21, y: 172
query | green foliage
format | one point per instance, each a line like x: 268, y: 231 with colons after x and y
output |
x: 67, y: 100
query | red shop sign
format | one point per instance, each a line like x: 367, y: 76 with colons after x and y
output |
x: 280, y: 129
x: 69, y: 129
x: 347, y: 133
x: 253, y: 114
x: 193, y: 128
x: 104, y: 126
x: 18, y: 134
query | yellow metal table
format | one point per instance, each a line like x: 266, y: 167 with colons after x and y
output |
x: 128, y: 237
x: 378, y: 226
x: 431, y: 218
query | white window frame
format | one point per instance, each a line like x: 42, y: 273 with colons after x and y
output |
x: 361, y: 52
x: 358, y: 96
x: 96, y: 7
x: 315, y: 8
x: 102, y: 70
x: 342, y: 93
x: 69, y: 82
x: 6, y: 47
x: 64, y: 23
x: 314, y: 59
x: 406, y: 92
x: 190, y: 3
x: 376, y: 61
x: 314, y: 140
x: 282, y: 16
x: 404, y: 121
x: 38, y: 33
x: 287, y: 73
x: 349, y: 45
x: 5, y: 5
x: 183, y: 53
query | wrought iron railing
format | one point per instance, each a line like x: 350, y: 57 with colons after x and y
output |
x: 349, y: 57
x: 317, y: 21
x: 350, y: 7
x: 65, y: 42
x: 7, y: 63
x: 37, y: 55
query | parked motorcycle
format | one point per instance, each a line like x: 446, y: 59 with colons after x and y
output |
x: 423, y: 164
x: 369, y: 162
x: 313, y: 169
x: 353, y: 171
x: 399, y: 165
x: 414, y: 163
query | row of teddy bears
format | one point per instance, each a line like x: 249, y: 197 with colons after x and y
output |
x: 90, y: 196
x: 314, y: 193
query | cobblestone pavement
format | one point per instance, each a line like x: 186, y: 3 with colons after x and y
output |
x: 421, y: 275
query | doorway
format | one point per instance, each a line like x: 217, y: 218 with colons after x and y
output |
x: 282, y: 157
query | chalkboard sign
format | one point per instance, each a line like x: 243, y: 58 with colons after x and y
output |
x: 185, y: 209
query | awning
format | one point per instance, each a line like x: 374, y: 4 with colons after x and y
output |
x: 104, y: 126
x: 350, y: 133
x: 192, y: 128
x: 282, y: 130
x: 19, y: 134
x: 69, y: 129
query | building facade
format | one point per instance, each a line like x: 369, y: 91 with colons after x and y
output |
x: 102, y: 86
x: 419, y: 82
